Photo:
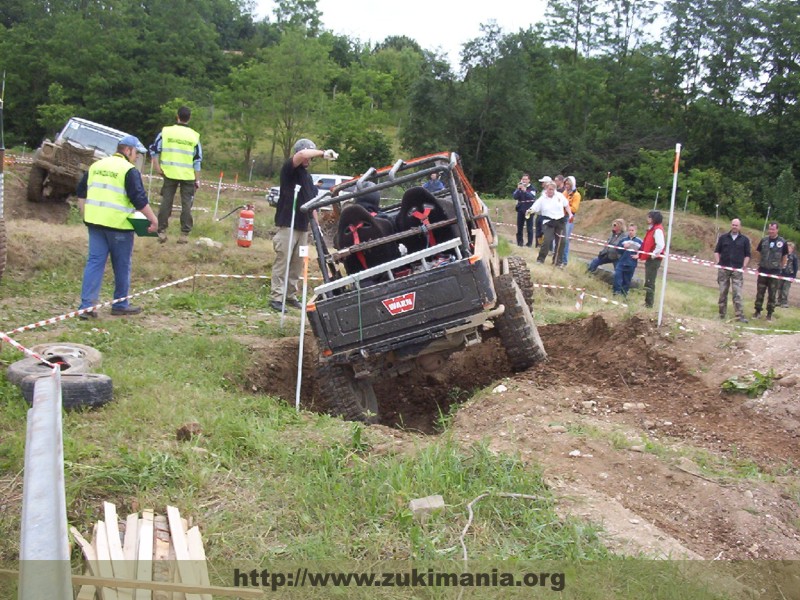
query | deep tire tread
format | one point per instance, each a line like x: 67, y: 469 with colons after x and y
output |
x: 344, y: 396
x: 515, y: 326
x: 519, y: 270
x: 79, y: 390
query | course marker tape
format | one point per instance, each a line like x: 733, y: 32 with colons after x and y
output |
x: 582, y: 291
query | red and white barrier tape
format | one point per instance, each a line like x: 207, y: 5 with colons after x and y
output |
x: 582, y: 292
x: 24, y: 350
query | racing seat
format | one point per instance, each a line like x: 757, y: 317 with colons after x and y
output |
x: 421, y: 208
x: 356, y: 226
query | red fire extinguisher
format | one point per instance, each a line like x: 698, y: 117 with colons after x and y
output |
x: 244, y: 233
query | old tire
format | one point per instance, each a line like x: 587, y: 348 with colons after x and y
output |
x: 522, y: 275
x: 91, y: 356
x: 3, y: 246
x: 30, y: 366
x: 36, y: 184
x: 346, y: 396
x: 78, y: 390
x: 515, y: 326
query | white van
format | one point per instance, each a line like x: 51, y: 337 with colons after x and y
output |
x: 323, y: 181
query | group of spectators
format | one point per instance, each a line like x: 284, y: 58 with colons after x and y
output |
x: 778, y: 264
x: 555, y: 209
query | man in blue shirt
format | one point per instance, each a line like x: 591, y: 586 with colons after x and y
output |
x: 626, y: 265
x: 434, y: 184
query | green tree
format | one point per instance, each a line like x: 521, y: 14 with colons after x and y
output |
x: 57, y: 111
x: 784, y: 197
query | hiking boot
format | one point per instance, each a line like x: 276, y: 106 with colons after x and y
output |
x: 294, y: 302
x: 162, y: 237
x: 742, y: 319
x: 92, y: 314
x: 121, y: 311
x: 184, y: 239
x: 769, y: 316
x: 276, y: 305
x: 722, y: 317
x: 757, y: 314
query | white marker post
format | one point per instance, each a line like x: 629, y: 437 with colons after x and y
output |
x: 303, y: 251
x: 669, y: 232
x: 219, y: 187
x: 289, y: 257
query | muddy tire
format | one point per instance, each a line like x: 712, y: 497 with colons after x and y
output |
x: 345, y: 396
x: 36, y: 184
x: 30, y: 366
x: 515, y: 326
x: 3, y: 246
x: 522, y: 275
x: 91, y: 356
x: 78, y: 390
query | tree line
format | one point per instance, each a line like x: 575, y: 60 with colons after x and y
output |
x: 601, y: 89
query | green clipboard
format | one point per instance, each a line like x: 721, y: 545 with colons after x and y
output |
x: 141, y: 224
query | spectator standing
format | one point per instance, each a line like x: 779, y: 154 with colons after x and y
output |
x: 108, y: 194
x: 297, y: 188
x: 789, y: 271
x: 434, y: 184
x: 774, y: 252
x: 177, y: 156
x: 525, y: 195
x: 652, y: 253
x: 732, y: 254
x: 626, y: 265
x: 555, y: 211
x: 573, y: 196
x: 611, y: 252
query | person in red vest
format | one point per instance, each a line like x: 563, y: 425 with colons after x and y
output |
x: 651, y: 254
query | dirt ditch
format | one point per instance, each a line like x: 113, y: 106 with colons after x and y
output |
x: 621, y: 417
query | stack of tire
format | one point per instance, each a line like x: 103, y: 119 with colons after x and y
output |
x: 80, y: 388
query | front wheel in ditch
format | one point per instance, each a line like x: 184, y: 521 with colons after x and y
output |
x: 515, y: 326
x: 346, y: 396
x: 36, y: 184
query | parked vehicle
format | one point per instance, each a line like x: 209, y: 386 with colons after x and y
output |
x: 58, y: 165
x: 407, y: 286
x: 323, y: 181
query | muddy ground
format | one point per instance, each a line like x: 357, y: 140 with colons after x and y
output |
x: 628, y: 421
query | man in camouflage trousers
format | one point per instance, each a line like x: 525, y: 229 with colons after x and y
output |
x: 732, y: 254
x: 774, y: 251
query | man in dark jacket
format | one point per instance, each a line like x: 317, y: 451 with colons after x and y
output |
x: 773, y: 250
x: 732, y: 254
x: 525, y: 194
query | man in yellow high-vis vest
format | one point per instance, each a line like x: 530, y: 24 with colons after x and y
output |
x: 177, y: 156
x: 109, y: 193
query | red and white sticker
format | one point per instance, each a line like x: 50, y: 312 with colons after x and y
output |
x: 400, y: 304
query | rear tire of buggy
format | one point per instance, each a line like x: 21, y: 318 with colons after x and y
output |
x: 515, y: 326
x: 345, y: 396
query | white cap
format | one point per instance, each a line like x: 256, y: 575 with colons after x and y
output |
x: 545, y: 179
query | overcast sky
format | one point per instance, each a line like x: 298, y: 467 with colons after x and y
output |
x: 435, y: 24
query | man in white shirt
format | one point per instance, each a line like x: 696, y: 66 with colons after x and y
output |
x: 554, y: 210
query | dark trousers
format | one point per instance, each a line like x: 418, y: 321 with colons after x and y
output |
x: 553, y: 233
x: 651, y: 266
x: 770, y: 286
x: 523, y: 223
x: 168, y: 198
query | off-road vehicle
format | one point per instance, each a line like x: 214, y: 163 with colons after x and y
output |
x: 409, y: 278
x: 58, y: 165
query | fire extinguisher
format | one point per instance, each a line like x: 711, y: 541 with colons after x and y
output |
x: 244, y: 233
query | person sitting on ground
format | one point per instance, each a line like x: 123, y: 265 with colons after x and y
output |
x: 789, y: 271
x: 555, y: 211
x: 611, y: 252
x: 626, y: 265
x: 434, y: 184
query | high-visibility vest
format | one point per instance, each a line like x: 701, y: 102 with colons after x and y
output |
x: 177, y: 151
x: 107, y: 203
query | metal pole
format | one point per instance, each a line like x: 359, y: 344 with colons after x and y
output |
x: 150, y: 180
x: 716, y: 220
x: 658, y: 191
x: 686, y: 201
x: 608, y: 176
x: 764, y: 231
x: 669, y: 232
x: 219, y: 187
x: 304, y: 254
x: 250, y: 177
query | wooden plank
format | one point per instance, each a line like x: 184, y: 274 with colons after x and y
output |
x: 197, y: 554
x: 144, y: 563
x: 87, y: 592
x: 118, y: 565
x: 104, y: 561
x: 186, y: 572
x: 130, y: 547
x: 225, y: 592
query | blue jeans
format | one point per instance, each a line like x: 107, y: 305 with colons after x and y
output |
x: 567, y: 233
x: 102, y: 243
x: 623, y: 275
